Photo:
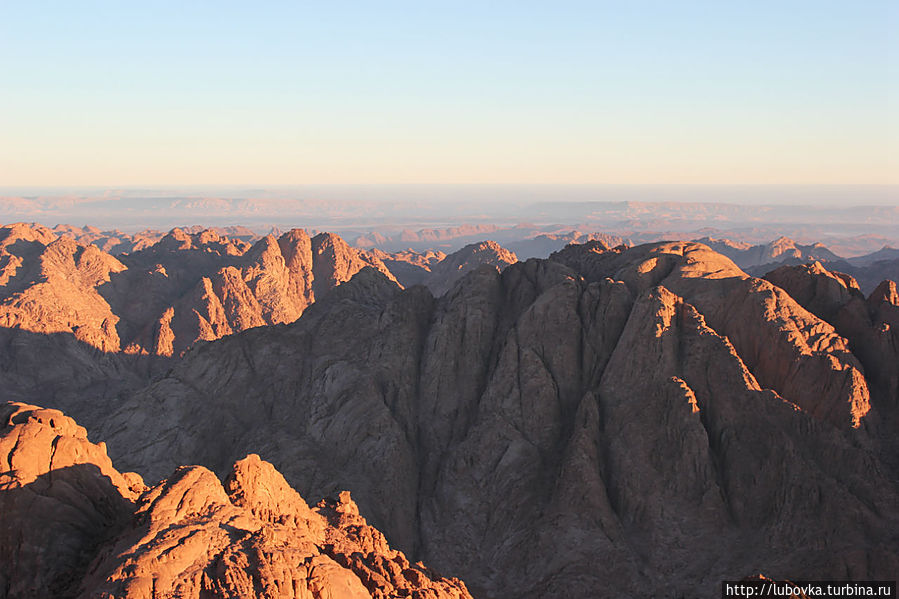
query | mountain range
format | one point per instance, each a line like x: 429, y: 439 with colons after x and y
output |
x: 186, y: 287
x: 604, y: 422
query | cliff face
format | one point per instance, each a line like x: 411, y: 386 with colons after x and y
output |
x: 74, y: 526
x: 602, y: 423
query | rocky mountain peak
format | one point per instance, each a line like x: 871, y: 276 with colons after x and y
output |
x: 886, y: 292
x: 453, y: 267
x: 73, y: 526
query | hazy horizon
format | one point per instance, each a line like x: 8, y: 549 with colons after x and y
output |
x: 736, y: 193
x: 831, y: 214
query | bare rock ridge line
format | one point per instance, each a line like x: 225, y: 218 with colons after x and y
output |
x: 186, y: 287
x: 531, y: 241
x: 73, y: 526
x: 746, y: 255
x: 868, y: 270
x: 607, y: 422
x: 870, y: 325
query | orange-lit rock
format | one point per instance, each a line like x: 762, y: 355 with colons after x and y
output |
x: 73, y: 526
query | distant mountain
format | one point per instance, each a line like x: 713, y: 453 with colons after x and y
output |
x: 843, y: 210
x: 779, y: 250
x: 884, y: 254
x: 438, y: 271
x: 192, y: 286
x: 410, y: 267
x: 867, y: 270
x: 870, y: 274
x: 542, y: 246
x: 449, y: 238
x: 444, y: 274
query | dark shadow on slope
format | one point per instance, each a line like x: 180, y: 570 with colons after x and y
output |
x: 27, y: 251
x: 58, y: 371
x: 154, y: 281
x: 53, y: 527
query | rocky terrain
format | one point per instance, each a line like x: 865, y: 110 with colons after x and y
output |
x: 642, y: 421
x: 452, y: 268
x: 189, y: 286
x: 74, y: 526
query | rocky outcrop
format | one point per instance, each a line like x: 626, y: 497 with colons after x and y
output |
x: 73, y: 526
x: 60, y: 498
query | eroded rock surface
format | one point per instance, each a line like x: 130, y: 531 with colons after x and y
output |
x: 164, y: 297
x: 74, y: 526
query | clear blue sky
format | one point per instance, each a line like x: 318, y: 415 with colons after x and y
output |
x: 117, y: 93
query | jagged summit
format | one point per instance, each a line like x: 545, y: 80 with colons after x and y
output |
x: 187, y: 287
x: 456, y: 265
x: 73, y: 526
x: 778, y: 250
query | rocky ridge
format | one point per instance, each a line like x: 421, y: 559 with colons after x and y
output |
x: 192, y: 286
x: 74, y: 526
x: 747, y: 256
x: 187, y: 287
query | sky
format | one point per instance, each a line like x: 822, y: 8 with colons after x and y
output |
x: 294, y: 93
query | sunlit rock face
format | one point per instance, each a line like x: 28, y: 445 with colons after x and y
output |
x: 164, y: 297
x: 73, y: 526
